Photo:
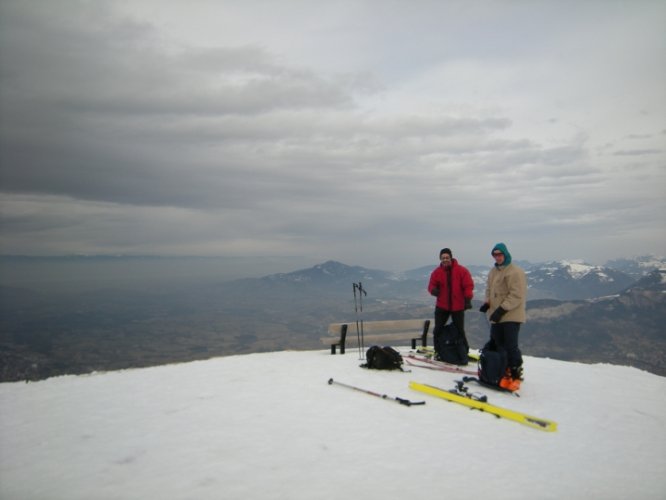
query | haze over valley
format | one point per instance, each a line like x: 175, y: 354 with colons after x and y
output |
x: 92, y: 314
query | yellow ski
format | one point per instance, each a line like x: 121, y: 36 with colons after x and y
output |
x: 537, y: 423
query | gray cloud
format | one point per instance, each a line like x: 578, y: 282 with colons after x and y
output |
x: 118, y: 137
x: 638, y: 152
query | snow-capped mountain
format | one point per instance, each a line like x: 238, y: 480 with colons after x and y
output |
x: 638, y: 266
x: 655, y: 280
x: 578, y: 269
x: 571, y: 280
x: 270, y: 427
x: 562, y: 280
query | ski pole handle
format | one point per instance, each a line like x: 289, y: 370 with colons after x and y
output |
x: 407, y: 402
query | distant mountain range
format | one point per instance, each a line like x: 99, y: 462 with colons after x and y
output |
x: 561, y: 280
x: 613, y: 313
x: 626, y: 328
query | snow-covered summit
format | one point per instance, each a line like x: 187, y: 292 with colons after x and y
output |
x: 269, y: 426
x: 639, y: 266
x: 577, y: 269
x: 575, y: 279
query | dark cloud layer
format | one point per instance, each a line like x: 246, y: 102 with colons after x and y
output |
x: 117, y: 137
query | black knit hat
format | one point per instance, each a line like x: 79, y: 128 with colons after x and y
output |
x: 445, y: 250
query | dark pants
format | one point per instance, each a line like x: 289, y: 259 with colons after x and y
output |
x: 505, y: 336
x: 458, y: 319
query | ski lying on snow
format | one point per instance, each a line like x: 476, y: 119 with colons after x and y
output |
x: 430, y: 352
x: 522, y: 418
x: 462, y: 390
x: 436, y: 365
x: 447, y: 367
x: 490, y: 386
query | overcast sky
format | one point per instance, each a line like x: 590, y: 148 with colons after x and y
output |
x: 370, y: 132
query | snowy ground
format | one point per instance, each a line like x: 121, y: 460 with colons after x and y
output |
x: 268, y: 426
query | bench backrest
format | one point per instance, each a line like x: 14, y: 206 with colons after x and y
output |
x: 397, y: 325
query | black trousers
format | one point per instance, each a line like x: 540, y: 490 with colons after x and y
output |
x: 457, y: 318
x: 505, y: 336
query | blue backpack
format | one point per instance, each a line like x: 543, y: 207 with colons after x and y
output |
x: 492, y: 366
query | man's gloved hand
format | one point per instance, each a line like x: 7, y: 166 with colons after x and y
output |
x: 434, y: 292
x: 468, y: 304
x: 484, y: 307
x: 497, y: 315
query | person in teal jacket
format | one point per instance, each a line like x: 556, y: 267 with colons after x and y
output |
x: 505, y: 305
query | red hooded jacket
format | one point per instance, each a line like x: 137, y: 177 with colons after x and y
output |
x: 455, y: 284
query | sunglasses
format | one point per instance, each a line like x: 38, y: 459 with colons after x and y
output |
x: 497, y: 254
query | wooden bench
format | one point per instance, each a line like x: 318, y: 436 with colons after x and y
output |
x: 379, y: 331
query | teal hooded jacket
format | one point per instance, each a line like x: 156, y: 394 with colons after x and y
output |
x: 502, y: 248
x: 507, y: 288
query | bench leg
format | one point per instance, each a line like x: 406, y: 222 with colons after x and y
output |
x: 333, y: 348
x: 413, y: 344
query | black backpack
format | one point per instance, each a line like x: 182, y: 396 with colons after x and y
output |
x: 492, y: 365
x: 383, y: 358
x: 450, y: 346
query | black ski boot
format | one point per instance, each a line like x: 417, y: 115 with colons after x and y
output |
x: 517, y: 373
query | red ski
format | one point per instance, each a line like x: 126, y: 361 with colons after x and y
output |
x: 413, y: 360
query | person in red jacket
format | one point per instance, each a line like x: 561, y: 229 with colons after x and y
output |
x: 453, y: 286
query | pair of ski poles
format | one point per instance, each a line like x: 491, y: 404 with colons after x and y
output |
x: 359, y: 328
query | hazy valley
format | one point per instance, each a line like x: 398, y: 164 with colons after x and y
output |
x: 613, y: 313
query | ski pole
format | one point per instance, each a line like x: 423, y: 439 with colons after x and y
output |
x: 358, y: 330
x: 402, y: 401
x: 361, y: 292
